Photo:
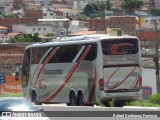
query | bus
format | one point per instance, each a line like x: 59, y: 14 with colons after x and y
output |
x: 82, y: 72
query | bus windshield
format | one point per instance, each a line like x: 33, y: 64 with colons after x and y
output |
x: 120, y: 47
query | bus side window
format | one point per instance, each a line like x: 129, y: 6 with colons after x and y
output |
x: 26, y: 68
x: 92, y: 54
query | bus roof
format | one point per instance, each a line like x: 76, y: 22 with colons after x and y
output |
x: 79, y: 40
x: 83, y: 37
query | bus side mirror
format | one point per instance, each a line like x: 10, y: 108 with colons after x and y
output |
x: 17, y: 75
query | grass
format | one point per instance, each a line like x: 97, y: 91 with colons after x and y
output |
x: 153, y: 101
x: 143, y: 103
x: 12, y: 95
x: 99, y: 103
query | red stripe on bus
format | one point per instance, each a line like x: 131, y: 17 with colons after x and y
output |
x: 138, y: 81
x: 112, y: 75
x: 45, y: 62
x: 123, y: 80
x: 92, y: 93
x: 69, y: 75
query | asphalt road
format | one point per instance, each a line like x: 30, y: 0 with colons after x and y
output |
x: 63, y: 112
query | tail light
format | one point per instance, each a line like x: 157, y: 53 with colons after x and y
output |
x: 101, y: 84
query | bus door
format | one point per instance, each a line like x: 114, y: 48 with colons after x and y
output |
x: 26, y: 71
x: 121, y: 68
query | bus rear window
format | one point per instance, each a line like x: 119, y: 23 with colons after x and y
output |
x: 119, y: 47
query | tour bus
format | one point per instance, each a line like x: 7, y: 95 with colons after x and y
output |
x: 83, y: 72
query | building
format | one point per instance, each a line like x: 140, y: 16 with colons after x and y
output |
x: 6, y: 6
x: 56, y: 5
x: 11, y: 55
x: 3, y: 30
x: 126, y: 23
x: 5, y: 36
x: 33, y: 13
x: 9, y: 22
x: 41, y: 28
x: 17, y: 4
x: 156, y: 3
x: 50, y: 14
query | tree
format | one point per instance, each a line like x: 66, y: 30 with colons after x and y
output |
x: 94, y: 8
x: 50, y: 34
x: 131, y: 5
x: 26, y: 38
x: 89, y: 9
x: 1, y: 15
x: 36, y: 38
x: 155, y: 11
x: 108, y: 5
x: 11, y: 15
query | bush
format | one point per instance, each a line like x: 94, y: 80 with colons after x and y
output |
x: 155, y: 99
x: 112, y: 103
x: 155, y: 11
x: 142, y: 103
x: 50, y: 34
x: 12, y: 95
x: 99, y: 103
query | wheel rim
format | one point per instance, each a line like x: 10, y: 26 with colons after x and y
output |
x: 72, y: 99
x: 81, y: 100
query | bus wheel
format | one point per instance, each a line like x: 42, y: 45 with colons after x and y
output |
x: 120, y: 103
x: 34, y: 99
x: 80, y: 99
x: 72, y: 99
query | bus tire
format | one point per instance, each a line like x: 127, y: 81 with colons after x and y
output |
x: 34, y: 99
x: 120, y: 103
x: 80, y: 99
x: 68, y: 104
x: 72, y: 99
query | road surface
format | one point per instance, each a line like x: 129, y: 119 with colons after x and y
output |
x: 63, y: 112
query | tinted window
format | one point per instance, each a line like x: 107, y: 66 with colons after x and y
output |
x: 92, y: 54
x: 26, y: 68
x: 65, y: 54
x: 120, y: 47
x: 38, y: 53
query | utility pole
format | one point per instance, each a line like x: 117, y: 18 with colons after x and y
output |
x: 157, y: 58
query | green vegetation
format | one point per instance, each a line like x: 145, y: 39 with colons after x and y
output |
x: 80, y: 17
x: 97, y: 9
x: 26, y: 38
x: 12, y: 95
x: 112, y: 103
x: 10, y: 15
x: 50, y: 34
x: 153, y: 101
x: 142, y: 103
x: 155, y: 11
x: 131, y: 5
x: 108, y: 5
x: 99, y: 103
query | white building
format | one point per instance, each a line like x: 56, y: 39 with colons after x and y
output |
x: 49, y: 14
x: 42, y: 29
x: 6, y: 37
x: 7, y: 5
